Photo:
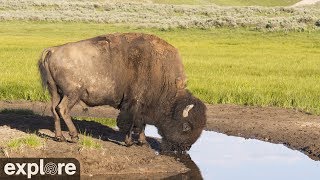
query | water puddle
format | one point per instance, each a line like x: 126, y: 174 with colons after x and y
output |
x: 218, y: 156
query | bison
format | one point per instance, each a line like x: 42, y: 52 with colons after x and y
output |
x: 139, y: 74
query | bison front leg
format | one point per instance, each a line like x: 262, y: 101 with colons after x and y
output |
x: 137, y: 128
x: 125, y: 125
x: 137, y: 121
x: 142, y: 136
x: 128, y: 139
x: 124, y: 121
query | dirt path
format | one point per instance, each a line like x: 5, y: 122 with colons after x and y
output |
x: 306, y: 2
x: 295, y: 129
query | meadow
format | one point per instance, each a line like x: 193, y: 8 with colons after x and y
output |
x: 237, y: 66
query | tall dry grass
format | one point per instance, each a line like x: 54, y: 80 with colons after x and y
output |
x: 163, y: 16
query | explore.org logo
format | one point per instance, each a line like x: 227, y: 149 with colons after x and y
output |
x: 39, y: 168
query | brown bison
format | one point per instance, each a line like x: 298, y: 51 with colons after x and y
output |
x: 139, y: 74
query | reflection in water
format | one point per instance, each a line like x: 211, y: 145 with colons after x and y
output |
x: 187, y: 161
x: 219, y: 156
x: 184, y: 158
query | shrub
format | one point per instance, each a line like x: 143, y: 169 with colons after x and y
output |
x: 162, y: 16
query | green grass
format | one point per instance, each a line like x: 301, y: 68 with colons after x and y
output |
x: 87, y: 141
x: 235, y: 66
x: 30, y: 141
x: 104, y: 121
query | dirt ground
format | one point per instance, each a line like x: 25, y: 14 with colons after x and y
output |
x: 113, y: 159
x: 295, y: 129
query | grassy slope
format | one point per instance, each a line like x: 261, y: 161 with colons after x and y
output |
x: 231, y: 2
x: 223, y: 66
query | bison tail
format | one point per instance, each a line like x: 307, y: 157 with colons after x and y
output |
x: 44, y: 68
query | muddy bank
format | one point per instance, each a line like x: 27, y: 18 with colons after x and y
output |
x: 295, y: 129
x: 112, y: 158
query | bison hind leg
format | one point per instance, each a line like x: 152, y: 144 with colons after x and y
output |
x: 64, y: 108
x: 55, y: 100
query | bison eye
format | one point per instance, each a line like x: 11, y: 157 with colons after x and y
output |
x: 186, y: 127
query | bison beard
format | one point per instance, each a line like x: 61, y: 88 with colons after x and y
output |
x: 139, y: 74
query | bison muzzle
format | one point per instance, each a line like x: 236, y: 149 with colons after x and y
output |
x: 139, y: 74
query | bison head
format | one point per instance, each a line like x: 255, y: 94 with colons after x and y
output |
x: 184, y: 127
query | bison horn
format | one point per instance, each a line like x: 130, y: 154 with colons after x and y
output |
x: 186, y: 110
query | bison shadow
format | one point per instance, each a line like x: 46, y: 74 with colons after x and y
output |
x: 29, y: 122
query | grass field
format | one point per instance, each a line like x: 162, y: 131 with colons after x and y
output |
x: 223, y: 66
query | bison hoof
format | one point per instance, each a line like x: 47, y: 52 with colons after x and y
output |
x: 143, y: 143
x: 74, y: 139
x: 128, y: 142
x: 60, y: 138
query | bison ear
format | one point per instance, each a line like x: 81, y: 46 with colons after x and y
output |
x: 180, y: 83
x: 186, y: 127
x: 186, y: 110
